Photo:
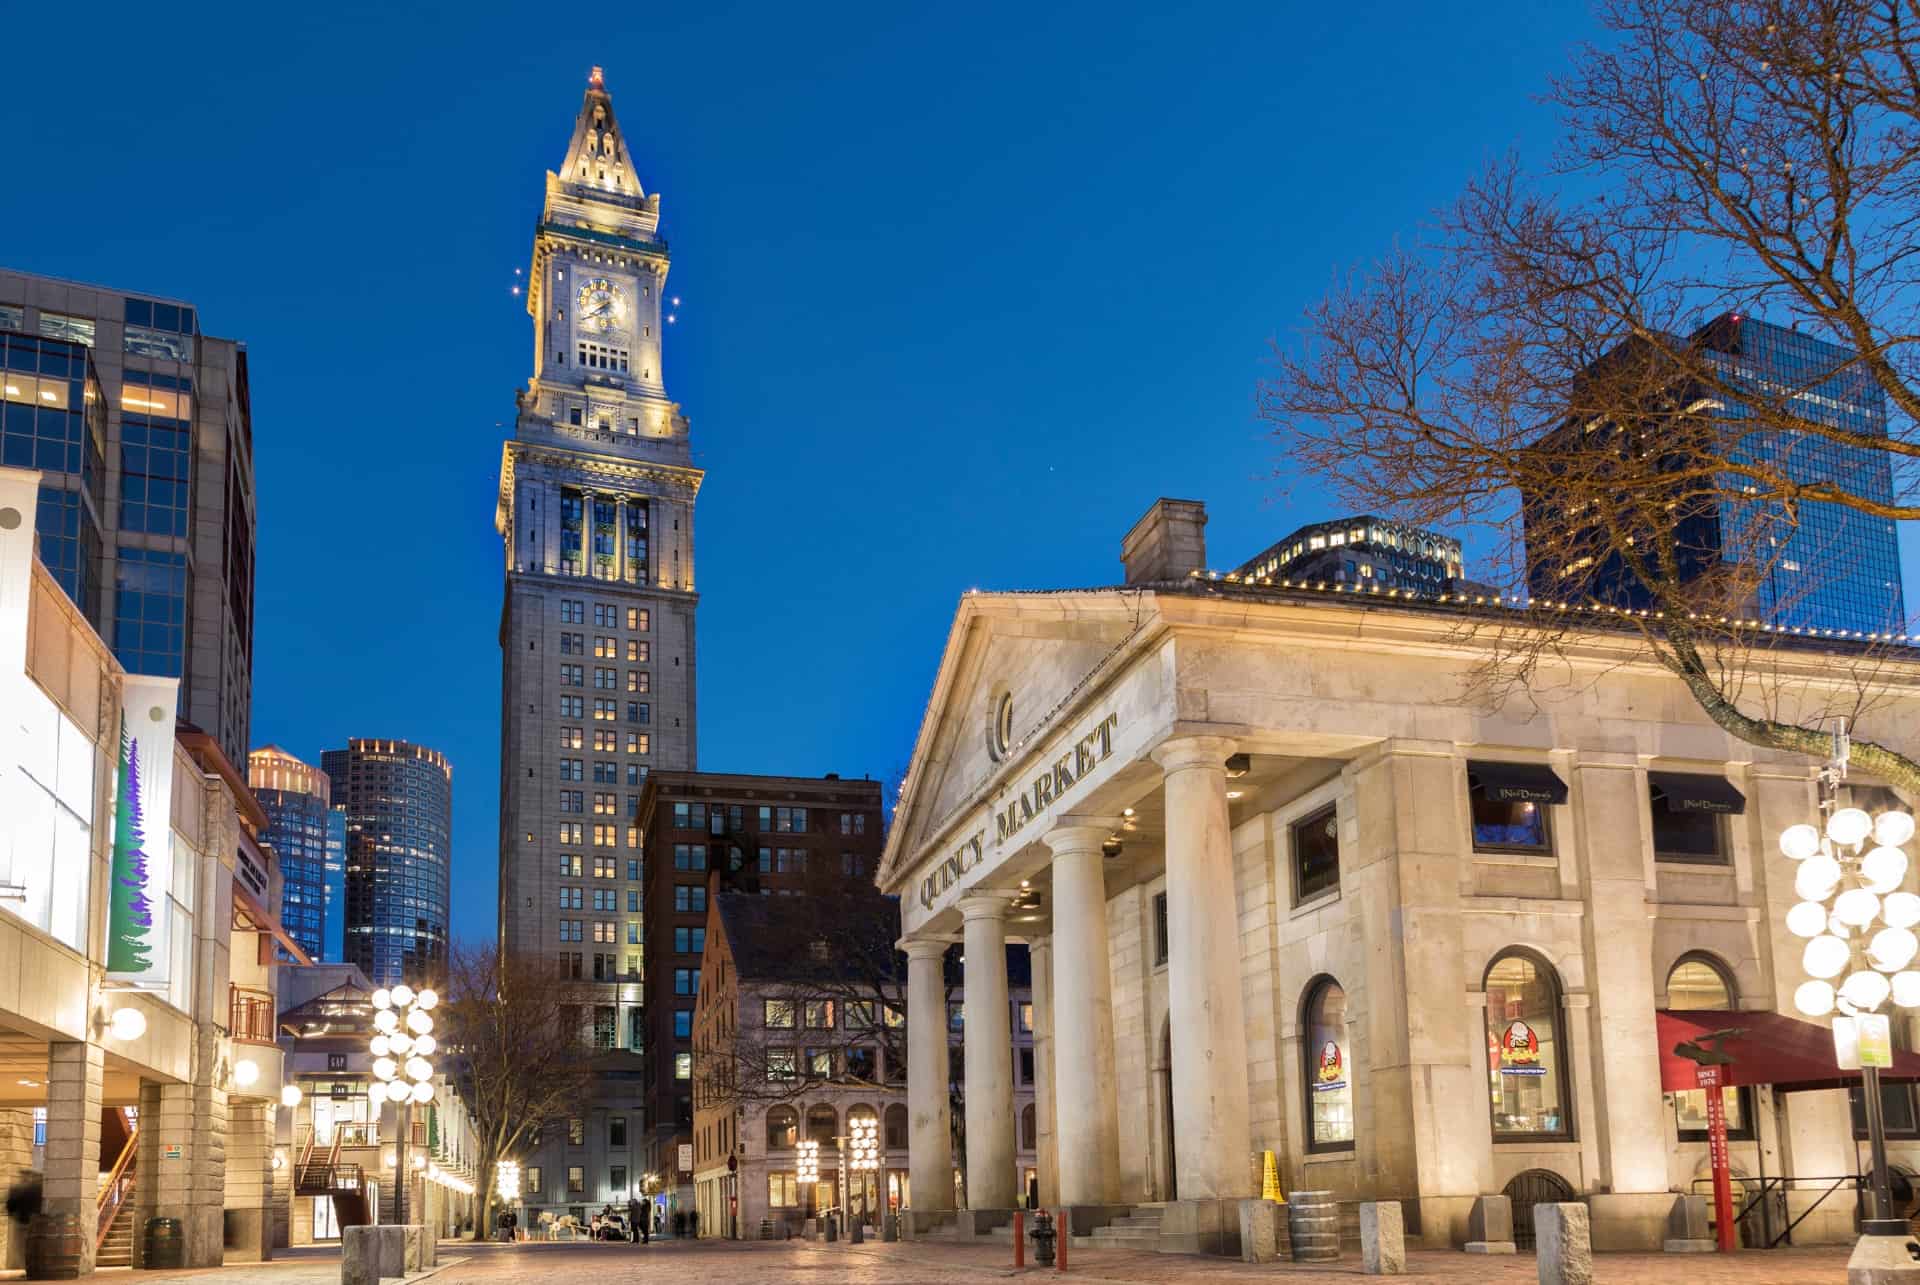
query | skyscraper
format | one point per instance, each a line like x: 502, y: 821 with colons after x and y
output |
x: 301, y: 830
x: 397, y: 799
x: 1822, y: 567
x: 142, y: 428
x: 595, y: 510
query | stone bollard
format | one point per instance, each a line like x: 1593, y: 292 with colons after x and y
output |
x: 359, y: 1256
x: 1260, y: 1223
x: 1561, y: 1240
x: 810, y: 1229
x: 1383, y: 1238
x: 1687, y: 1229
x: 890, y: 1230
x: 414, y: 1239
x: 393, y: 1249
x: 1490, y: 1226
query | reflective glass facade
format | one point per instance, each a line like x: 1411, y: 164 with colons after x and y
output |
x: 1831, y: 567
x: 151, y: 591
x: 397, y: 802
x: 53, y: 417
x: 296, y: 798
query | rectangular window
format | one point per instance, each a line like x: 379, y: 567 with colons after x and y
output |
x: 862, y: 1063
x: 780, y: 1064
x: 689, y: 941
x: 956, y: 1017
x: 576, y: 1131
x: 1026, y: 1066
x: 1509, y: 802
x: 617, y: 1175
x: 778, y: 1014
x: 576, y: 1176
x: 638, y: 680
x: 1026, y: 1017
x: 689, y: 899
x: 605, y: 710
x: 533, y: 1179
x: 682, y: 1023
x: 1316, y: 854
x: 686, y: 981
x: 573, y: 706
x: 683, y: 1066
x: 819, y: 1064
x: 783, y: 1190
x: 1686, y: 817
x: 1159, y: 929
x: 818, y: 1014
x: 639, y: 619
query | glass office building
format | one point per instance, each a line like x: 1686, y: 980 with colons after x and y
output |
x: 300, y: 821
x: 397, y: 801
x: 1823, y: 566
x: 142, y: 428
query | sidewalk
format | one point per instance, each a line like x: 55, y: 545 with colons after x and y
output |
x: 307, y: 1265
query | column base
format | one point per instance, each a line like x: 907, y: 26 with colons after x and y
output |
x: 1081, y: 1220
x: 1882, y: 1260
x: 915, y: 1224
x: 248, y: 1235
x: 1201, y: 1227
x: 979, y: 1222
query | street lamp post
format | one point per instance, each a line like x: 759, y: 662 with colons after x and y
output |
x: 401, y: 1045
x: 865, y: 1156
x: 1858, y: 927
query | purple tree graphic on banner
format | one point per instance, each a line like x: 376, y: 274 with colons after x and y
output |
x: 130, y: 915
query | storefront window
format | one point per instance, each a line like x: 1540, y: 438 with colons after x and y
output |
x: 1525, y: 1050
x: 1698, y: 983
x: 1328, y: 1073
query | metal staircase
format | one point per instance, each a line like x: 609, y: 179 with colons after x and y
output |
x: 323, y: 1174
x: 113, y: 1227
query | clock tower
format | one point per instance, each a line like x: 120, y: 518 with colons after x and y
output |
x: 595, y: 513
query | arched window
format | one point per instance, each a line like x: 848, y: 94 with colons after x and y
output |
x: 1327, y: 1073
x: 1526, y: 1049
x: 1700, y: 982
x: 1029, y: 1129
x: 896, y: 1128
x: 783, y: 1128
x: 822, y: 1123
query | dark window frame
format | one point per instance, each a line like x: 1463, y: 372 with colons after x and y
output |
x: 1309, y: 1068
x: 1658, y: 809
x: 1544, y: 849
x: 1319, y: 816
x: 1568, y: 1130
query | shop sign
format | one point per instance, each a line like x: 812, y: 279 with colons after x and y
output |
x: 1520, y: 1050
x: 686, y: 1157
x: 1332, y: 1072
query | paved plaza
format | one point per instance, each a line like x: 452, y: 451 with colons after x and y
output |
x: 937, y: 1263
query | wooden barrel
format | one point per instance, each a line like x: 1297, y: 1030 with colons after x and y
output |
x: 166, y: 1243
x: 1313, y: 1226
x: 56, y: 1248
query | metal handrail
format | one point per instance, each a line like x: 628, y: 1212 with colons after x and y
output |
x: 1784, y: 1183
x: 119, y: 1185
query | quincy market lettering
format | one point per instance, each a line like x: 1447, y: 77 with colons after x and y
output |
x: 1046, y: 789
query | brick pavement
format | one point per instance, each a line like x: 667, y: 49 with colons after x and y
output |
x: 800, y: 1263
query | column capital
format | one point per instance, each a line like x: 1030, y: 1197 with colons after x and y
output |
x: 1178, y: 753
x: 1080, y: 834
x: 923, y: 947
x: 984, y: 905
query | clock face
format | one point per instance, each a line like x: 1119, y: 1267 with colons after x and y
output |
x: 602, y: 310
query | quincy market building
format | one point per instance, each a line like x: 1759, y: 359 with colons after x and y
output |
x: 1299, y: 897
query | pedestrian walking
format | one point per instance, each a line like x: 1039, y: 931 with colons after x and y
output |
x: 693, y: 1223
x: 633, y: 1221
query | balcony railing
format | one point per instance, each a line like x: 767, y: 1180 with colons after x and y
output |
x: 249, y: 1014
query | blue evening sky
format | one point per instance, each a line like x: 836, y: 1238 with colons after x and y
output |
x: 965, y: 288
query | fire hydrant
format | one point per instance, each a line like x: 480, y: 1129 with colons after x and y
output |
x: 1043, y: 1237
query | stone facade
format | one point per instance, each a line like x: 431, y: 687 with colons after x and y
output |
x: 595, y: 512
x: 1294, y: 772
x: 169, y: 1058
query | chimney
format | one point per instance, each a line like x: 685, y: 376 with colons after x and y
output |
x: 1167, y: 542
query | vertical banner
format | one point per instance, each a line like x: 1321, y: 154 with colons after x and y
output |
x: 139, y: 913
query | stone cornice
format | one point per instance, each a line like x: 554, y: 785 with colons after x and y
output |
x: 611, y: 467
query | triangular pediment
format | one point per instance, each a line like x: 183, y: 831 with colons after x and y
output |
x: 1032, y: 651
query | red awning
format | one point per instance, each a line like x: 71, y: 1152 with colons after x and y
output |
x: 1785, y: 1052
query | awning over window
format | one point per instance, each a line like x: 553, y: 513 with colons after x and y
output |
x: 1783, y: 1051
x: 1684, y: 793
x: 1517, y: 782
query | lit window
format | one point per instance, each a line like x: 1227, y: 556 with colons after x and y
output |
x: 1525, y: 1049
x: 1327, y: 1075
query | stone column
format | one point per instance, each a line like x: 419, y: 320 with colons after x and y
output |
x: 930, y: 1141
x: 989, y: 1054
x: 1210, y: 1101
x: 249, y: 1179
x: 1087, y: 1113
x: 1046, y: 1149
x: 72, y: 1167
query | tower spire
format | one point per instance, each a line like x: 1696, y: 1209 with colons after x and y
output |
x: 597, y: 156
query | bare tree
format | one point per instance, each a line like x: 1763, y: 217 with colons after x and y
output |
x: 517, y: 1051
x: 1536, y: 365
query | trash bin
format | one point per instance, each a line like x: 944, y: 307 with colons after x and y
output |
x: 166, y: 1243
